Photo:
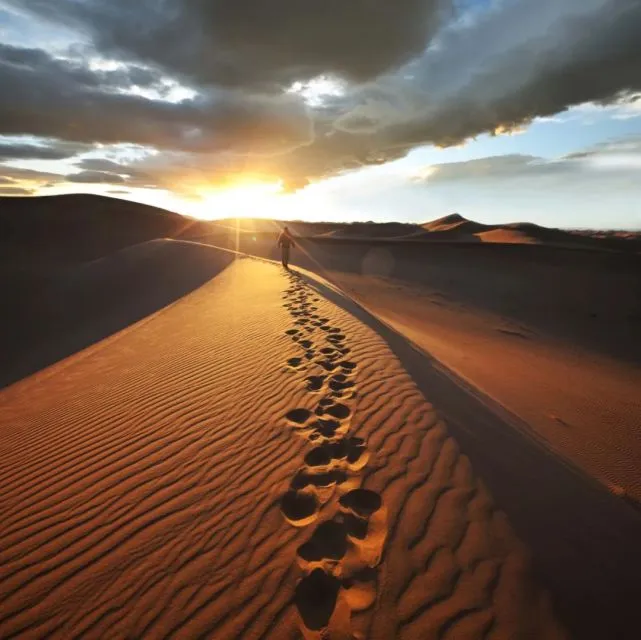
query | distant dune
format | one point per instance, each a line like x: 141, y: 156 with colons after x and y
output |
x: 58, y: 230
x: 456, y: 228
x: 506, y: 236
x: 70, y: 227
x: 455, y: 224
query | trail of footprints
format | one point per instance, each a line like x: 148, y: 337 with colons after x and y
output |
x: 339, y: 558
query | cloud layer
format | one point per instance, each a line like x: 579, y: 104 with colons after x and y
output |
x: 413, y: 72
x: 621, y: 156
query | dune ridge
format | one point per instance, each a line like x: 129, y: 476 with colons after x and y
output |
x: 143, y: 485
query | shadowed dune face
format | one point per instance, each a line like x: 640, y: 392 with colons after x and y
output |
x: 59, y: 230
x: 101, y: 297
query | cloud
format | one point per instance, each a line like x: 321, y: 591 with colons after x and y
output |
x: 50, y: 97
x: 15, y: 191
x: 132, y: 175
x: 269, y: 44
x: 413, y: 72
x: 511, y: 65
x: 30, y: 175
x: 103, y: 164
x: 630, y: 145
x: 94, y: 177
x: 19, y: 149
x: 622, y: 155
x: 490, y: 168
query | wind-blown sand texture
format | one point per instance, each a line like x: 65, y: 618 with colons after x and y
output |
x: 251, y: 461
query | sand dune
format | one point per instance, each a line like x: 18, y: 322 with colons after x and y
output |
x: 506, y: 236
x: 262, y: 457
x: 251, y: 461
x: 455, y: 223
x: 99, y: 298
x: 455, y: 228
x: 581, y: 404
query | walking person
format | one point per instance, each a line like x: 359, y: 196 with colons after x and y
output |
x: 285, y: 242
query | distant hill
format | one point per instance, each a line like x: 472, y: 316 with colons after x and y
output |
x: 317, y: 229
x: 39, y: 236
x: 457, y: 228
x: 75, y: 228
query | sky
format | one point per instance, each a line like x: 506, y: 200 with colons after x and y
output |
x: 500, y: 110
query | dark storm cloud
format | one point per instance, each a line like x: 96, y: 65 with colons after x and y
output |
x: 243, y: 42
x: 27, y: 59
x: 523, y: 60
x: 49, y: 97
x: 412, y: 79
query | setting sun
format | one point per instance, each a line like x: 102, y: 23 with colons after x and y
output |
x: 240, y: 200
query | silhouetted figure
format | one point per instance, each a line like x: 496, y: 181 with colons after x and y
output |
x: 285, y: 242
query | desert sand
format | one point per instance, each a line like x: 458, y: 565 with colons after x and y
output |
x: 249, y: 461
x: 398, y: 438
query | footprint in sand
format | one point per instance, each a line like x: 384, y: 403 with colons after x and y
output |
x: 316, y: 598
x: 327, y: 364
x: 339, y: 383
x: 349, y: 453
x: 315, y: 383
x: 326, y: 430
x: 300, y: 508
x: 295, y: 363
x: 348, y: 548
x: 334, y: 409
x: 298, y: 416
x: 305, y: 479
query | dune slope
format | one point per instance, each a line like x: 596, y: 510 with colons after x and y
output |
x: 251, y: 461
x: 99, y: 298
